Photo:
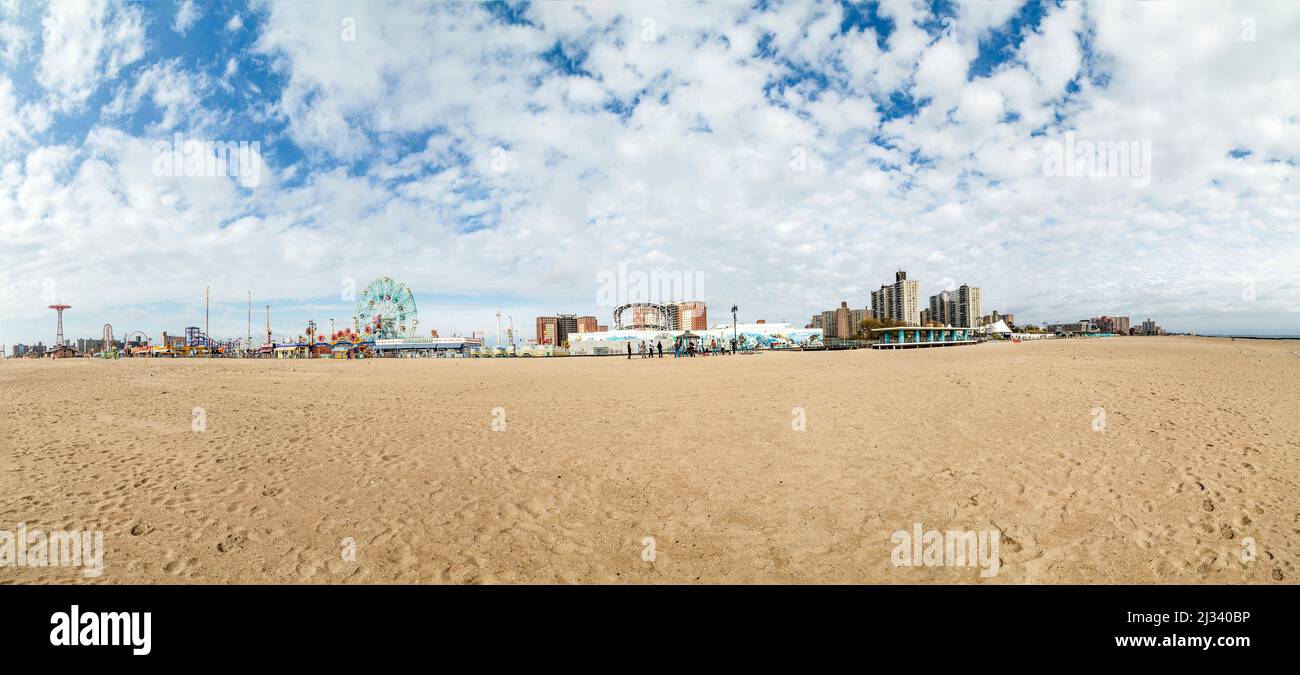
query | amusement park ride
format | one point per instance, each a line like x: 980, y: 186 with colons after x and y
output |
x: 387, y: 310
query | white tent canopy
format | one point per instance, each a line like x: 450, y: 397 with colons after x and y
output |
x: 1000, y: 328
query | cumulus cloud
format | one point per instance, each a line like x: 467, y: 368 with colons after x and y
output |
x: 186, y: 14
x: 84, y: 44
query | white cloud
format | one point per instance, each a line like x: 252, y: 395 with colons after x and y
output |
x: 15, y: 41
x: 177, y: 92
x: 86, y: 43
x: 186, y: 15
x: 11, y: 127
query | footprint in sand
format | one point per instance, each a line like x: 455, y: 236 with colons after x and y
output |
x: 141, y: 528
x: 231, y: 541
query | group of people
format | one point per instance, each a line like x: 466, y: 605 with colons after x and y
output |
x: 647, y: 350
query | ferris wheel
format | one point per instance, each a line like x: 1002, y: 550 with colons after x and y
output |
x: 386, y: 309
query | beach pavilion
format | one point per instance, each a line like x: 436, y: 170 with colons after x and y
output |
x: 909, y: 337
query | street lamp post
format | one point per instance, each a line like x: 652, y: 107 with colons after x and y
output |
x: 311, y: 337
x: 735, y: 340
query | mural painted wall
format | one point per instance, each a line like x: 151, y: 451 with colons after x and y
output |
x: 751, y: 336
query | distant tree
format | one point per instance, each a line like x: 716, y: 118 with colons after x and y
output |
x: 869, y: 324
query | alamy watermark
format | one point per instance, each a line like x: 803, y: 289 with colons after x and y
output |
x: 954, y: 548
x: 57, y: 548
x: 616, y: 287
x: 75, y: 628
x: 198, y: 158
x: 1099, y: 159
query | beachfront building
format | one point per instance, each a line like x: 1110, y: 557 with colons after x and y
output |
x: 1149, y: 327
x: 942, y: 309
x: 990, y: 319
x: 548, y: 330
x: 554, y: 330
x: 960, y: 307
x: 856, y: 316
x: 567, y: 325
x: 62, y: 352
x: 969, y: 306
x: 687, y: 315
x: 1072, y: 328
x: 841, y: 322
x: 428, y: 347
x: 900, y: 302
x: 914, y: 337
x: 1117, y: 325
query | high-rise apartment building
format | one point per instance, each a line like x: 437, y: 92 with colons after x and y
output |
x: 943, y: 308
x: 842, y: 318
x: 691, y: 315
x: 548, y: 330
x: 841, y: 322
x: 567, y: 325
x: 900, y: 302
x: 960, y: 308
x: 969, y: 306
x: 555, y: 330
x: 855, y: 319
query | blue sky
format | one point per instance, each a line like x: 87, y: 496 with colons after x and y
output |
x: 504, y: 155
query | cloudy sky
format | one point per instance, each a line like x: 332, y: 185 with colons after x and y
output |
x: 504, y: 155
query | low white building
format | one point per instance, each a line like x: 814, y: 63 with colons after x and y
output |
x: 464, y: 346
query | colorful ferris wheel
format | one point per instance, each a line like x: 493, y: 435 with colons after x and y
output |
x: 386, y: 309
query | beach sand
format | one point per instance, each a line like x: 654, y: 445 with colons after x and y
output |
x: 296, y: 460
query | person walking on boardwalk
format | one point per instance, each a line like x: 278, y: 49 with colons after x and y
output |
x: 629, y: 350
x: 661, y: 349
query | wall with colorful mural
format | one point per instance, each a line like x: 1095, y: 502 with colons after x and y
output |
x: 751, y: 336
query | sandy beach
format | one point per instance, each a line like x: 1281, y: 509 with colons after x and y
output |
x: 1130, y: 460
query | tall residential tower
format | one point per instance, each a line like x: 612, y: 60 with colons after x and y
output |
x: 900, y: 302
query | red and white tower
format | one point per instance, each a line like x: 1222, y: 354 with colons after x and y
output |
x: 59, y: 308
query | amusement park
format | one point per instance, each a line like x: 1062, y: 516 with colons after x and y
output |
x: 384, y: 324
